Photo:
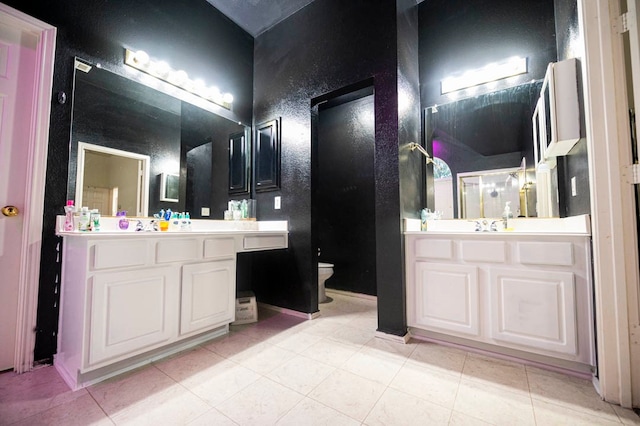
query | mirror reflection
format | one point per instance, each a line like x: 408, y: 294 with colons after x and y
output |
x: 114, y: 113
x: 485, y: 138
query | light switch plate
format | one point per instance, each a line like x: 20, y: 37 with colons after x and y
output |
x: 574, y: 191
x: 205, y: 212
x: 276, y: 202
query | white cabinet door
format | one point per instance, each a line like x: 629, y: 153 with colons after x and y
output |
x: 447, y: 297
x: 534, y: 309
x: 208, y: 295
x: 132, y: 312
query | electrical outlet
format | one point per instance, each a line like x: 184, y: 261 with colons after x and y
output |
x: 574, y: 192
x: 205, y: 211
x: 276, y: 202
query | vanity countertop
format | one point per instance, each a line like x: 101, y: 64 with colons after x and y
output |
x: 567, y: 226
x: 109, y: 228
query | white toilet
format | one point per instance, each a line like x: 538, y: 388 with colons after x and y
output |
x: 325, y: 271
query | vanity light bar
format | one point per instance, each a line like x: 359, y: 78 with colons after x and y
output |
x: 487, y: 74
x: 140, y: 60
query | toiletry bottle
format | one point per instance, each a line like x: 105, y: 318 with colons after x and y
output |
x: 69, y: 209
x: 95, y: 220
x: 188, y: 219
x: 123, y: 223
x: 506, y: 215
x: 84, y: 224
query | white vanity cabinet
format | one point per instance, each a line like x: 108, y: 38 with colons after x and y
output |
x: 525, y: 295
x: 129, y: 298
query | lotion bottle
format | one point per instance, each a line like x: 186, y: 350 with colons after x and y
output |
x: 84, y: 224
x: 69, y: 209
x: 506, y: 215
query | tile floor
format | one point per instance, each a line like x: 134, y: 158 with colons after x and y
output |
x: 329, y: 371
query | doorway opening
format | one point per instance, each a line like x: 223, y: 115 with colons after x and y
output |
x: 343, y: 188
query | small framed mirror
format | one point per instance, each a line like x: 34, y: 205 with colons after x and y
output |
x: 239, y: 163
x: 267, y: 157
x: 169, y: 187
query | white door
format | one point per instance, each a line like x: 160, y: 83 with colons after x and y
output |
x: 17, y: 76
x: 27, y: 51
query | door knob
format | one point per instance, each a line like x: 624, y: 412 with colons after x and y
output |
x: 10, y: 211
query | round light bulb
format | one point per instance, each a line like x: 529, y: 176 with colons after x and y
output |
x: 141, y: 57
x: 228, y: 98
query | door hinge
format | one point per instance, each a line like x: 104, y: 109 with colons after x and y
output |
x: 632, y: 174
x: 626, y: 21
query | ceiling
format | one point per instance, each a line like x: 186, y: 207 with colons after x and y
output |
x: 257, y: 16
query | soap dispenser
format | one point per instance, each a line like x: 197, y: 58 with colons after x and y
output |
x: 507, y: 215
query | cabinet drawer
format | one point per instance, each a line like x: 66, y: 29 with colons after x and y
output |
x: 545, y: 253
x: 177, y: 250
x: 219, y: 247
x: 434, y: 249
x: 119, y: 254
x: 258, y: 242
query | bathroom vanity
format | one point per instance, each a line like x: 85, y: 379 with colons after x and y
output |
x: 525, y: 293
x: 128, y: 298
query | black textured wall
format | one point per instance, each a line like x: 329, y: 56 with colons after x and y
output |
x: 186, y: 32
x: 324, y: 47
x: 343, y: 189
x: 575, y: 164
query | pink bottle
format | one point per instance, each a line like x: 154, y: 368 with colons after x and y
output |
x: 69, y: 209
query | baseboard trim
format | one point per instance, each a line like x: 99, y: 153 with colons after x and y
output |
x: 351, y: 294
x: 393, y: 337
x: 291, y: 312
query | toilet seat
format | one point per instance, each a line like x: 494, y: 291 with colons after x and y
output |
x: 325, y: 265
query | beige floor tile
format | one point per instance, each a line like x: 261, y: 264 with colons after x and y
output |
x: 147, y: 396
x: 552, y: 414
x: 232, y: 345
x: 626, y: 415
x: 80, y: 411
x: 376, y: 368
x: 323, y: 327
x: 330, y: 352
x: 213, y: 378
x: 428, y: 384
x: 262, y: 403
x: 127, y: 389
x: 295, y: 342
x: 312, y: 413
x: 350, y: 394
x: 439, y: 357
x: 23, y: 395
x: 388, y: 348
x: 213, y: 417
x: 351, y: 335
x: 460, y: 419
x: 301, y: 374
x: 264, y: 359
x: 495, y: 371
x: 571, y: 392
x: 494, y: 404
x: 400, y: 409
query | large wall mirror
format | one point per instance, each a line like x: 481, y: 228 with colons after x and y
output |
x: 487, y: 142
x: 181, y: 140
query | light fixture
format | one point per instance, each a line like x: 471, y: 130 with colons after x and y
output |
x: 487, y: 74
x: 140, y: 60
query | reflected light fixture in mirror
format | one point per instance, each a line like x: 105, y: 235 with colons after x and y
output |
x: 487, y: 74
x: 140, y: 60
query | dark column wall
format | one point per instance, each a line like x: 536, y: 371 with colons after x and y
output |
x: 575, y: 164
x: 326, y: 46
x: 192, y: 34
